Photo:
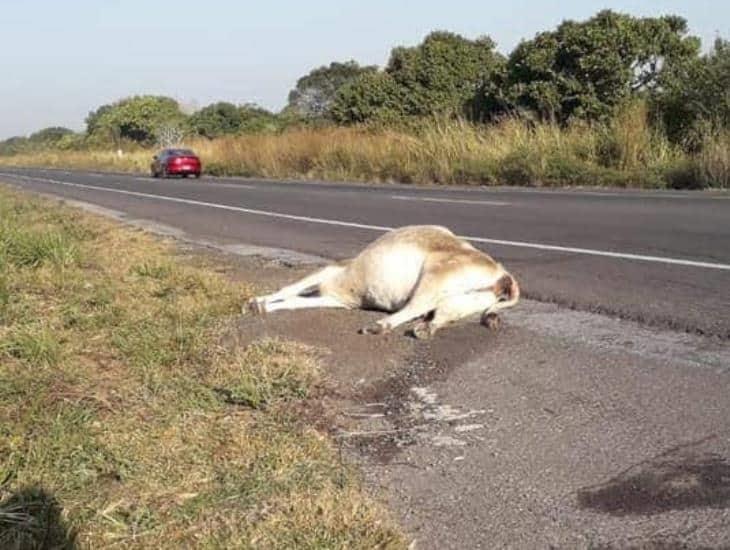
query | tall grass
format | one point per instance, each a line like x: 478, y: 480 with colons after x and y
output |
x: 713, y: 164
x: 625, y: 152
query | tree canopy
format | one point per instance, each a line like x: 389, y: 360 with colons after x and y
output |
x: 695, y: 94
x: 314, y: 92
x: 443, y: 73
x: 50, y: 136
x: 439, y: 76
x: 223, y: 118
x: 137, y: 118
x: 216, y: 120
x: 372, y: 97
x: 586, y: 69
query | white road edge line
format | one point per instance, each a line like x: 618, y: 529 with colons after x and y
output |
x: 325, y: 221
x: 457, y: 201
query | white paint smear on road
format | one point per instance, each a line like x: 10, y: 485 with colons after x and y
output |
x: 341, y: 223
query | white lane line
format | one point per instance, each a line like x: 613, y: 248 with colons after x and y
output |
x: 231, y: 185
x: 457, y: 201
x: 325, y: 221
x: 618, y: 195
x: 158, y: 180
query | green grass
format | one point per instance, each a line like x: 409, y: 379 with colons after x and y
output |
x: 126, y: 422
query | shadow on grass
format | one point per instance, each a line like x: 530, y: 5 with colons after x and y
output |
x: 31, y: 519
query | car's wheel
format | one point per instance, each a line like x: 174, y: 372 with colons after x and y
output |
x: 197, y: 175
x: 185, y: 175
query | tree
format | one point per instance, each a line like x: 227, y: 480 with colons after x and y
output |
x: 587, y: 69
x: 14, y: 145
x: 439, y: 76
x: 55, y: 137
x: 370, y: 97
x: 315, y: 92
x: 136, y: 118
x: 73, y: 141
x: 95, y: 119
x: 216, y: 120
x: 695, y: 96
x: 443, y: 74
x: 49, y: 136
x: 256, y: 119
x: 224, y: 118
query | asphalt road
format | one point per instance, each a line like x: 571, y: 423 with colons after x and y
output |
x: 661, y: 258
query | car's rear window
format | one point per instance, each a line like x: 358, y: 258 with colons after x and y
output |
x: 182, y: 152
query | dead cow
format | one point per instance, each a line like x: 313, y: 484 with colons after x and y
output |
x: 417, y: 272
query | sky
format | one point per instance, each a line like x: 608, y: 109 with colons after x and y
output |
x: 61, y: 59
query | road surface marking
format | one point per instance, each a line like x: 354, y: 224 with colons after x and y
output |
x: 232, y: 185
x: 457, y: 201
x: 325, y: 221
x: 158, y: 180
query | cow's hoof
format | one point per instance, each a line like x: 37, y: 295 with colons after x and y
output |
x: 375, y: 328
x: 256, y: 307
x: 422, y: 330
x: 492, y: 321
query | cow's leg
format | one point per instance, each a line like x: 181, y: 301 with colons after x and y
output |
x: 423, y: 300
x: 304, y: 302
x: 454, y: 308
x: 310, y: 283
x: 412, y: 310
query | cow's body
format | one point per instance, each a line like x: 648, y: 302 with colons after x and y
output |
x: 411, y: 272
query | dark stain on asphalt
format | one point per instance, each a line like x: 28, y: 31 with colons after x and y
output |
x: 420, y: 369
x: 672, y: 483
x: 428, y: 363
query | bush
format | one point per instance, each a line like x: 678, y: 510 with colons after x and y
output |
x: 476, y: 171
x: 714, y: 160
x: 518, y: 168
x: 683, y: 175
x: 561, y: 170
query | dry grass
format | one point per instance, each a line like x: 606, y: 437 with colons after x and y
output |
x: 134, y: 161
x: 625, y: 152
x: 125, y: 423
x: 714, y: 160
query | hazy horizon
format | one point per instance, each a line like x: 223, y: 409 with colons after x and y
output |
x: 63, y: 60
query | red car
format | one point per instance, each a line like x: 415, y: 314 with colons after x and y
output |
x: 175, y: 162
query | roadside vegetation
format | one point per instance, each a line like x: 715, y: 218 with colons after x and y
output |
x: 126, y: 421
x: 614, y: 100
